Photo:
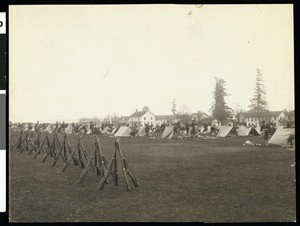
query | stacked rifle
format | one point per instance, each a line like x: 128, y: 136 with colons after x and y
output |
x: 35, y: 144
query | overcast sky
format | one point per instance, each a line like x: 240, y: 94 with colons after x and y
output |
x: 68, y: 62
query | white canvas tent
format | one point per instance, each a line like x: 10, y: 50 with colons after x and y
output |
x: 69, y: 129
x: 281, y: 136
x: 106, y: 130
x: 243, y: 131
x: 123, y: 131
x: 224, y: 131
x: 168, y: 133
x: 49, y: 129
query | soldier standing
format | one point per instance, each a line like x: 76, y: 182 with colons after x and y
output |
x: 147, y: 130
x: 92, y: 128
x: 187, y: 127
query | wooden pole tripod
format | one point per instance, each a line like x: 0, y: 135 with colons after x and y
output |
x: 27, y: 141
x: 55, y: 145
x: 19, y: 142
x: 62, y: 153
x: 114, y: 169
x: 80, y: 151
x: 45, y: 145
x: 35, y: 143
x: 97, y: 160
x: 11, y: 140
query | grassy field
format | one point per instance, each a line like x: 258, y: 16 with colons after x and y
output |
x: 181, y: 180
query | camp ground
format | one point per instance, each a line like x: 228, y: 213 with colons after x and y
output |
x: 151, y: 113
x: 176, y: 166
x: 77, y: 164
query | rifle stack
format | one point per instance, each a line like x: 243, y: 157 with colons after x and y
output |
x: 36, y: 145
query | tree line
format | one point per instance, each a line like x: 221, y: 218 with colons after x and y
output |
x: 220, y: 110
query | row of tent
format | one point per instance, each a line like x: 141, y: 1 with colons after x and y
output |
x: 68, y: 130
x: 167, y: 133
x: 224, y: 131
x: 242, y: 131
x: 124, y: 131
x: 50, y: 128
x: 280, y: 137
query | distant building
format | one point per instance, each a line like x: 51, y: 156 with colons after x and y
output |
x: 207, y: 120
x: 210, y: 121
x: 228, y: 122
x: 197, y: 117
x: 142, y: 118
x: 255, y: 118
x: 165, y: 119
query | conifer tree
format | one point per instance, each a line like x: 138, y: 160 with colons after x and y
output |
x: 258, y: 102
x: 219, y: 108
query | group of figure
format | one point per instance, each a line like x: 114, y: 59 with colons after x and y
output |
x: 181, y: 129
x: 267, y: 129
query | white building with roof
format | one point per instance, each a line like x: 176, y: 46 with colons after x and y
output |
x: 142, y: 117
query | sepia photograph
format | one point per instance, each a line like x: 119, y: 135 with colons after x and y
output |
x: 151, y: 113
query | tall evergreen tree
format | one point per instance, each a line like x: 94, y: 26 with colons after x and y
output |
x: 219, y: 108
x: 258, y: 102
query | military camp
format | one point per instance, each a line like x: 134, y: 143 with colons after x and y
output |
x: 151, y: 113
x: 102, y: 160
